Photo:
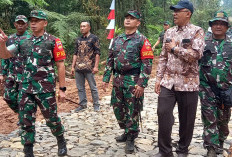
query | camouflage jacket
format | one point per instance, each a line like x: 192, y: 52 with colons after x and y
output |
x: 180, y: 69
x: 229, y: 32
x: 39, y: 55
x: 130, y: 59
x: 161, y: 36
x: 12, y: 67
x: 216, y: 63
x: 86, y: 49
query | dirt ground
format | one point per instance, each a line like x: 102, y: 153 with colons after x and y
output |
x: 8, y: 119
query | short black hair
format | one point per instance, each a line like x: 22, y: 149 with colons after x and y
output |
x: 87, y: 22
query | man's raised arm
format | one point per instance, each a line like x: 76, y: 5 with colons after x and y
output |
x: 5, y: 52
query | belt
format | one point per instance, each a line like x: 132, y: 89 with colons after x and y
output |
x: 135, y: 71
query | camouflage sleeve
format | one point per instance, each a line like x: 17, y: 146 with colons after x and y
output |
x: 163, y: 59
x: 4, y: 66
x: 195, y: 53
x: 145, y: 72
x: 146, y: 56
x: 109, y: 65
x: 96, y: 46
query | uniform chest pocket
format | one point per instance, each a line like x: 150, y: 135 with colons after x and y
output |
x: 116, y: 52
x: 130, y: 55
x: 44, y: 54
x: 207, y: 58
x: 26, y: 48
x: 227, y: 58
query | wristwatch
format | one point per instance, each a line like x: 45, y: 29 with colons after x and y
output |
x: 173, y: 49
x: 63, y: 89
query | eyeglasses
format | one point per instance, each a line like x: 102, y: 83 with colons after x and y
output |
x: 219, y: 24
x: 178, y: 11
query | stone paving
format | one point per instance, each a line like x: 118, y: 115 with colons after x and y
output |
x: 91, y: 134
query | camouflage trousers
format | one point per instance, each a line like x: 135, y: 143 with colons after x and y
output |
x: 11, y: 94
x: 214, y: 117
x: 127, y: 109
x: 27, y: 114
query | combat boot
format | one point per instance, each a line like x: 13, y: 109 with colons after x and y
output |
x: 130, y: 141
x: 121, y: 138
x: 28, y: 150
x: 62, y: 149
x: 211, y: 152
x: 220, y: 149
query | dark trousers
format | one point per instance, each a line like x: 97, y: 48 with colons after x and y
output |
x: 187, y: 106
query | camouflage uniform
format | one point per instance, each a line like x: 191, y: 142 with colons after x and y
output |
x: 229, y: 32
x: 12, y: 68
x: 38, y: 82
x: 130, y: 67
x: 161, y: 36
x: 215, y: 73
x: 38, y: 85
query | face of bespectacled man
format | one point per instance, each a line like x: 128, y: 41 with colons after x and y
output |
x: 219, y: 28
x: 181, y: 16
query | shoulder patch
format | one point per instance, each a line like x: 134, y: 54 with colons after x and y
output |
x: 146, y: 51
x: 58, y: 51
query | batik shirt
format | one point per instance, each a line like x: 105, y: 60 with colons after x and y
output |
x: 39, y: 55
x: 180, y: 69
x: 86, y: 49
x: 129, y: 53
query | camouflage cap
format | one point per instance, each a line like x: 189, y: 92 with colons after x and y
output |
x: 39, y: 14
x: 166, y: 23
x: 21, y: 18
x: 134, y: 13
x: 220, y: 16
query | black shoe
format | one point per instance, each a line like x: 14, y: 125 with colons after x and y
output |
x: 121, y: 138
x: 28, y: 150
x: 164, y: 155
x: 130, y: 142
x: 81, y: 107
x: 220, y: 150
x: 211, y: 152
x: 62, y: 149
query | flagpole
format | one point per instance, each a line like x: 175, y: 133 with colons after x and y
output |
x: 111, y: 25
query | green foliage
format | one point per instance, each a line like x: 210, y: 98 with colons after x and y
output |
x: 5, y: 2
x: 36, y: 3
x: 65, y: 16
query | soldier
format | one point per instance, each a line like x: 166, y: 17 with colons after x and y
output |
x: 215, y: 77
x: 130, y: 60
x: 12, y: 68
x: 177, y: 79
x: 85, y: 65
x: 37, y: 88
x: 166, y: 26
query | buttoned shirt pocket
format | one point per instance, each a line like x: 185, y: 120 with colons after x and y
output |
x: 209, y: 55
x: 45, y: 54
x: 130, y: 56
x: 227, y: 52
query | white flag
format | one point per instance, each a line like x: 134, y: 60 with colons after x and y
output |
x: 112, y: 7
x: 111, y: 24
